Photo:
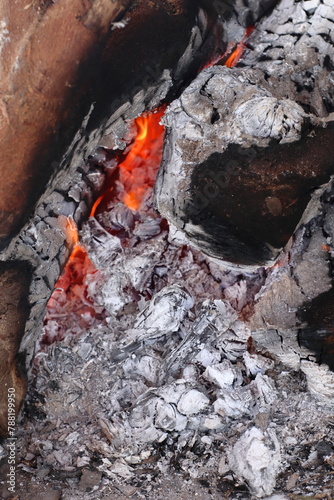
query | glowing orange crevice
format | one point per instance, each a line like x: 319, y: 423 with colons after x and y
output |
x: 234, y: 58
x: 138, y: 171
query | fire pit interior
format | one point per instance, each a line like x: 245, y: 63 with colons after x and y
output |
x: 166, y: 271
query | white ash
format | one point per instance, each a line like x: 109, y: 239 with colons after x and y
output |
x: 256, y: 458
x: 177, y: 372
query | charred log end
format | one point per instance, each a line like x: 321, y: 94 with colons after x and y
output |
x: 14, y: 281
x: 186, y: 36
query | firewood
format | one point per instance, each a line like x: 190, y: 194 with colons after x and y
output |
x: 261, y: 138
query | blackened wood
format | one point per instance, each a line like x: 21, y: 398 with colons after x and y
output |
x: 271, y: 117
x: 152, y: 41
x: 265, y: 198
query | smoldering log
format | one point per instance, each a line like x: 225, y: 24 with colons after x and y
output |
x: 243, y: 124
x: 45, y: 243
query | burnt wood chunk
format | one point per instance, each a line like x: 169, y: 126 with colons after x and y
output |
x: 247, y: 147
x: 317, y: 330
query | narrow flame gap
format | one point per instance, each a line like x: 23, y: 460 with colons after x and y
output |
x: 72, y: 234
x: 238, y: 51
x: 138, y: 171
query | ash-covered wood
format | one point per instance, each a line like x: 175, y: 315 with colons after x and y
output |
x: 247, y: 147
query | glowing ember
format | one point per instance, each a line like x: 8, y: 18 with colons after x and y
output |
x: 132, y: 185
x: 135, y: 181
x: 234, y: 58
x: 69, y: 308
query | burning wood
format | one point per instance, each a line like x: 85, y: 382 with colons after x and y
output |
x: 147, y: 72
x: 179, y: 358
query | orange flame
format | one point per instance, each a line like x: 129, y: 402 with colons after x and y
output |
x: 95, y: 205
x: 138, y: 170
x: 234, y: 58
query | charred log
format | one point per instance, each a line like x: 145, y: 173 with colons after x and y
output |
x: 256, y: 205
x: 264, y: 121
